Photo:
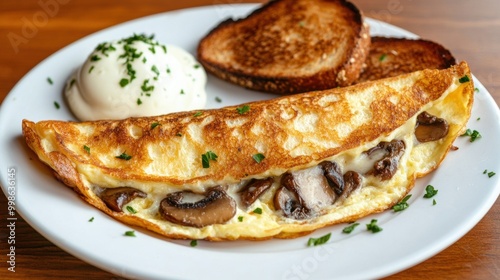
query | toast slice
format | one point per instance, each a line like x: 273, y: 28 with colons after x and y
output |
x: 289, y: 46
x: 391, y: 57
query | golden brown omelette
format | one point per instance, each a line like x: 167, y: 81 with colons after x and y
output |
x: 276, y: 168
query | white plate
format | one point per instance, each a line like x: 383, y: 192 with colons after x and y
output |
x: 409, y: 237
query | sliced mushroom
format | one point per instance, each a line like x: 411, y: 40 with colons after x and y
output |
x: 352, y: 181
x: 386, y: 167
x: 333, y: 175
x: 288, y: 202
x: 310, y: 190
x: 115, y: 198
x: 217, y: 207
x: 251, y: 191
x: 430, y: 128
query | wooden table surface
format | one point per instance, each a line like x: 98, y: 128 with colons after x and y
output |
x: 30, y: 31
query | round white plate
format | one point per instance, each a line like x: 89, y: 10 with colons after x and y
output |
x: 408, y: 237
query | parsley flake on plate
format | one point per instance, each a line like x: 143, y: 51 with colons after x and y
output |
x: 319, y: 241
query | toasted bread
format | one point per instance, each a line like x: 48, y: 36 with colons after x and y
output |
x: 390, y: 57
x: 289, y: 46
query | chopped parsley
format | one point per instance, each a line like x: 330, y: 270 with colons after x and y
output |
x: 130, y: 233
x: 257, y: 210
x: 155, y: 70
x: 207, y: 157
x: 258, y: 157
x: 430, y: 191
x: 87, y: 149
x: 193, y: 243
x: 476, y: 89
x: 196, y: 66
x: 464, y: 79
x: 373, y: 227
x: 402, y: 205
x: 490, y: 174
x: 131, y: 209
x: 240, y: 218
x: 382, y: 57
x: 124, y: 156
x: 319, y: 241
x: 145, y: 87
x: 350, y: 228
x: 242, y: 110
x: 434, y: 202
x: 95, y: 58
x: 91, y: 220
x: 50, y: 80
x: 155, y: 124
x: 218, y: 99
x: 57, y: 105
x: 474, y: 134
x: 182, y: 91
x: 139, y: 101
x: 91, y: 68
x: 123, y: 82
x: 73, y: 81
x: 197, y: 114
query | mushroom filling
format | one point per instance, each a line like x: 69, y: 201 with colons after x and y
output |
x: 305, y: 193
x: 251, y: 191
x: 115, y: 198
x: 217, y: 207
x: 386, y: 167
x: 430, y: 128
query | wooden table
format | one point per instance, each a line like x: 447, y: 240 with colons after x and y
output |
x: 470, y: 29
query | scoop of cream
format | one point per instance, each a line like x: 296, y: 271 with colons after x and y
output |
x: 136, y: 77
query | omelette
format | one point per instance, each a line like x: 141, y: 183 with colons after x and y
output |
x: 278, y: 168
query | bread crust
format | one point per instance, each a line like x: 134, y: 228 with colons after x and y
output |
x: 289, y: 47
x: 392, y: 56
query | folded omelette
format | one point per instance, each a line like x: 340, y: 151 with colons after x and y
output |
x: 276, y: 168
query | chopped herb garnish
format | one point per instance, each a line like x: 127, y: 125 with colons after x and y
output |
x: 168, y: 70
x: 50, y: 81
x: 382, y: 57
x: 350, y: 228
x: 164, y: 48
x: 207, y: 157
x: 485, y: 171
x: 86, y: 148
x: 257, y: 210
x: 478, y: 119
x: 197, y: 114
x: 258, y: 157
x: 196, y: 66
x: 144, y: 60
x: 193, y: 243
x: 476, y: 89
x: 182, y: 91
x: 57, y: 105
x: 178, y: 134
x: 139, y: 101
x: 131, y: 209
x: 430, y: 191
x: 434, y: 202
x: 491, y: 174
x: 123, y: 82
x: 319, y: 241
x: 373, y: 227
x: 402, y: 205
x: 464, y: 79
x: 73, y: 81
x: 91, y: 219
x: 242, y: 110
x: 145, y: 87
x: 474, y: 134
x: 124, y: 156
x: 155, y: 70
x: 95, y: 58
x: 155, y: 124
x: 91, y: 68
x: 130, y: 233
x: 218, y: 99
x: 240, y: 218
